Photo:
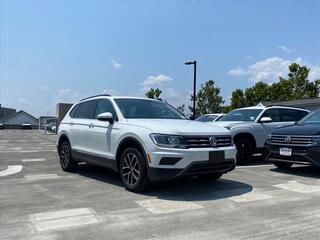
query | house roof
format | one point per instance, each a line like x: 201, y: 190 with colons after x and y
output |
x: 17, y: 113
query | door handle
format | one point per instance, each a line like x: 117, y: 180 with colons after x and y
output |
x: 71, y: 123
x: 91, y: 125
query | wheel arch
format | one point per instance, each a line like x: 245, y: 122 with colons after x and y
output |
x: 125, y: 143
x: 62, y: 138
x: 247, y: 136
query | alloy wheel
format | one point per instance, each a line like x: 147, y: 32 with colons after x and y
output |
x: 64, y: 155
x: 131, y: 169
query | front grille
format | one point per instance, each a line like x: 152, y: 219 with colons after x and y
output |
x: 291, y: 140
x: 204, y: 142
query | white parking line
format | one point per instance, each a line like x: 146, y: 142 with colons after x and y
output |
x: 34, y: 160
x: 160, y: 206
x: 57, y: 220
x: 255, y: 166
x: 11, y: 170
x: 250, y: 197
x: 295, y: 186
x: 36, y: 177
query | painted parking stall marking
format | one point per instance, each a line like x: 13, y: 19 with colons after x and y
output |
x: 255, y: 195
x: 12, y: 169
x: 37, y: 177
x: 63, y: 219
x: 160, y: 206
x: 33, y: 160
x: 299, y: 187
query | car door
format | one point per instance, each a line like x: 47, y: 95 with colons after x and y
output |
x: 267, y: 128
x: 102, y: 132
x: 80, y: 126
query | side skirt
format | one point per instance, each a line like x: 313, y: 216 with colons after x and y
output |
x: 95, y: 160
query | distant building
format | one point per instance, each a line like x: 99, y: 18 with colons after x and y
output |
x: 4, y: 112
x: 310, y: 103
x: 15, y: 120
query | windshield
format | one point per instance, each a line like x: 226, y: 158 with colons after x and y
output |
x: 206, y: 118
x: 311, y: 118
x: 144, y: 108
x: 245, y: 115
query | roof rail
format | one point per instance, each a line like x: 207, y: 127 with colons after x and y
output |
x: 99, y: 95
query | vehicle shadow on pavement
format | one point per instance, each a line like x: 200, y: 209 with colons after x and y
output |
x: 302, y: 171
x: 194, y: 189
x: 184, y: 188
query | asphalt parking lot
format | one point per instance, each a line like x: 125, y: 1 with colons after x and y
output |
x: 39, y: 201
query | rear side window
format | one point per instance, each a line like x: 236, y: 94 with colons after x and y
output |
x: 73, y: 112
x: 273, y: 114
x: 105, y: 106
x: 291, y: 115
x: 87, y: 109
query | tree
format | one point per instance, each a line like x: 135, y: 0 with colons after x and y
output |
x: 238, y: 99
x: 154, y: 93
x: 181, y: 108
x: 208, y: 99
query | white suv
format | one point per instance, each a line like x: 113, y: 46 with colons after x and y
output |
x: 251, y: 126
x: 143, y: 139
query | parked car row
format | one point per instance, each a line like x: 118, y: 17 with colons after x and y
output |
x: 147, y: 140
x: 50, y: 127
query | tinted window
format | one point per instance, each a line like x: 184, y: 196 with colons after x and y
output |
x: 312, y: 118
x: 246, y: 115
x: 273, y: 114
x: 206, y: 118
x: 73, y: 112
x: 144, y: 108
x: 87, y: 109
x: 105, y: 106
x: 291, y: 115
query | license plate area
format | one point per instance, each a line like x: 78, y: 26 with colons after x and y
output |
x: 216, y: 156
x: 284, y: 151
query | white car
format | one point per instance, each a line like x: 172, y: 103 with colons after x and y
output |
x: 211, y: 117
x: 143, y: 139
x: 251, y: 126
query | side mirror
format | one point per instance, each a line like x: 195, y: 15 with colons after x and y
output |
x: 266, y: 120
x: 106, y: 117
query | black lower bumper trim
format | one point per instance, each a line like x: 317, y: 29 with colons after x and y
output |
x: 196, y: 168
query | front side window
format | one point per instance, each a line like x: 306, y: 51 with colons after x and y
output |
x: 273, y: 114
x: 246, y: 115
x: 105, y: 106
x: 144, y: 108
x: 87, y: 109
x: 206, y: 118
x: 292, y: 115
x: 74, y: 111
x: 312, y: 118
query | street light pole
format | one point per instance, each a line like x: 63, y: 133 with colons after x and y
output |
x: 194, y: 63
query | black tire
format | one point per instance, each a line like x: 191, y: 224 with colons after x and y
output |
x: 245, y: 149
x: 133, y: 170
x: 283, y: 165
x: 66, y: 161
x: 210, y: 177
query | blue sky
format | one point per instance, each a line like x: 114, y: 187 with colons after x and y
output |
x: 61, y: 51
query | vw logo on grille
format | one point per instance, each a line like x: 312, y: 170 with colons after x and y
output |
x: 213, y: 141
x: 287, y: 139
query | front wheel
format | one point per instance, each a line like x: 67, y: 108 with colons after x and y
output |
x: 245, y: 150
x: 133, y: 170
x: 283, y: 165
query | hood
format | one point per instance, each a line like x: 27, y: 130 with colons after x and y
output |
x: 228, y: 123
x: 179, y: 127
x: 306, y: 130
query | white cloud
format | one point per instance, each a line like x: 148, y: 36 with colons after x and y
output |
x: 237, y: 72
x: 314, y: 73
x: 116, y: 65
x: 155, y: 80
x: 286, y: 49
x: 67, y: 95
x: 110, y: 91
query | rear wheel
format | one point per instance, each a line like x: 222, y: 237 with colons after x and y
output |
x: 210, y: 177
x: 133, y: 170
x: 283, y: 165
x: 66, y: 161
x: 245, y: 149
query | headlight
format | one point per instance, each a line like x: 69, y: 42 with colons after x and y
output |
x: 168, y: 141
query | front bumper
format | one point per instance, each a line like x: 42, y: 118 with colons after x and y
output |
x: 306, y: 155
x: 166, y: 164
